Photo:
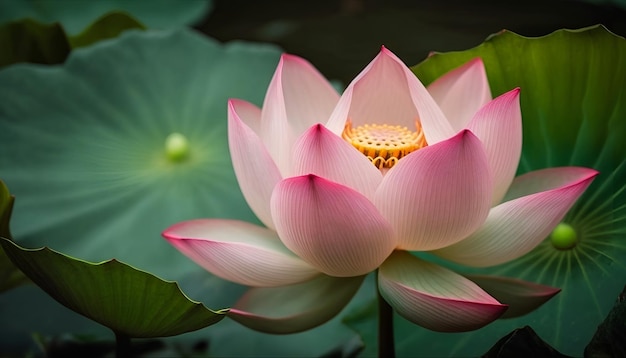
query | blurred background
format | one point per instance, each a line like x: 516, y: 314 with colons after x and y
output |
x: 341, y: 36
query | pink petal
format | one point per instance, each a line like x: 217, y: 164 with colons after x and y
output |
x: 239, y: 251
x: 548, y: 179
x: 295, y: 308
x: 387, y: 92
x: 522, y: 297
x: 298, y: 97
x: 435, y: 297
x: 247, y: 113
x: 325, y: 154
x: 255, y: 170
x: 332, y: 227
x: 498, y: 125
x: 517, y: 226
x: 461, y: 92
x: 437, y: 195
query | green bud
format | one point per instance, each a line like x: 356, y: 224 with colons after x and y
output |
x: 563, y: 237
x: 176, y: 147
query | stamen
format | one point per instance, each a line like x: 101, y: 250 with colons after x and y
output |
x: 383, y: 144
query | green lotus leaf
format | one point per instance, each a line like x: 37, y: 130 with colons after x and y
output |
x: 128, y: 301
x: 10, y: 276
x: 75, y: 16
x: 573, y: 96
x: 108, y: 26
x: 87, y: 141
x: 30, y: 41
x: 27, y: 40
x: 84, y: 146
x: 6, y: 208
x: 50, y: 319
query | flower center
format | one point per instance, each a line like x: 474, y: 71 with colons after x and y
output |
x: 176, y: 147
x: 563, y: 237
x: 383, y: 144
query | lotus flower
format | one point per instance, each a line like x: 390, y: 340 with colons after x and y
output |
x: 371, y: 180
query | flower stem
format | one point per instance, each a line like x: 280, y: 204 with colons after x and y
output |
x: 122, y: 346
x: 386, y: 346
